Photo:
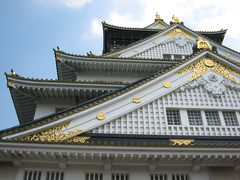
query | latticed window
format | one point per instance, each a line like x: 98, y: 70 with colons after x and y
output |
x: 195, y: 118
x: 94, y: 176
x: 180, y: 177
x: 159, y: 177
x: 167, y: 56
x: 173, y: 117
x: 54, y: 175
x: 32, y: 175
x: 120, y: 176
x: 230, y: 118
x: 212, y: 118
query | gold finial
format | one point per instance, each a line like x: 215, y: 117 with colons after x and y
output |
x: 101, y: 116
x: 175, y: 19
x: 203, y: 44
x: 157, y: 16
x: 137, y: 100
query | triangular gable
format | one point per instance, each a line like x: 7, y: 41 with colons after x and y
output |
x: 148, y: 44
x: 150, y: 119
x: 158, y: 24
x: 127, y: 100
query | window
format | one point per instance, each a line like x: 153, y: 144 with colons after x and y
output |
x: 195, y: 118
x: 54, y: 175
x: 230, y: 118
x: 120, y: 176
x: 167, y: 56
x: 169, y: 177
x: 177, y: 56
x: 173, y: 117
x: 159, y: 177
x: 212, y: 118
x: 180, y: 177
x: 32, y: 175
x: 94, y: 176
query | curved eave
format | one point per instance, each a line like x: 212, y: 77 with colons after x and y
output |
x: 112, y: 95
x: 27, y: 92
x: 71, y: 63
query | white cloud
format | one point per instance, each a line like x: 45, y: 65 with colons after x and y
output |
x: 198, y: 15
x: 96, y: 27
x: 68, y: 3
x: 74, y: 3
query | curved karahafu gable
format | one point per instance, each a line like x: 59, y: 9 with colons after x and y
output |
x: 100, y: 111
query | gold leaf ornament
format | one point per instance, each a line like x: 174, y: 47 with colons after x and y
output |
x: 101, y: 116
x: 180, y: 142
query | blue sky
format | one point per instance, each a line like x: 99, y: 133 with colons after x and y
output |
x: 30, y: 29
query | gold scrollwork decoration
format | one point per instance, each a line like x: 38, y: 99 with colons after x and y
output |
x: 180, y: 142
x: 205, y: 65
x: 52, y: 135
x: 81, y: 140
x: 101, y: 116
x: 176, y: 32
x: 137, y: 100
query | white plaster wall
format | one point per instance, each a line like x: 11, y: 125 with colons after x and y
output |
x: 219, y: 173
x: 136, y: 172
x: 110, y: 76
x: 7, y: 171
x: 47, y: 108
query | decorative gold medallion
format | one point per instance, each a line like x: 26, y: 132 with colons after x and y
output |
x: 180, y: 142
x: 208, y: 62
x: 167, y: 84
x: 101, y: 116
x: 137, y: 100
x: 228, y: 55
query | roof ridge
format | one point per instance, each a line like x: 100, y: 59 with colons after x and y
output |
x: 133, y: 28
x: 66, y: 81
x: 109, y: 57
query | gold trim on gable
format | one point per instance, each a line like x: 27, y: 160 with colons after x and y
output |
x: 205, y: 65
x: 51, y: 135
x: 178, y: 31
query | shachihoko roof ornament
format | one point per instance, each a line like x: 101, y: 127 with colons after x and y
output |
x: 175, y: 20
x: 157, y: 16
x: 203, y: 44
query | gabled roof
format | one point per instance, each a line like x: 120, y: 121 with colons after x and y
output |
x: 112, y: 42
x: 171, y: 27
x: 60, y: 117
